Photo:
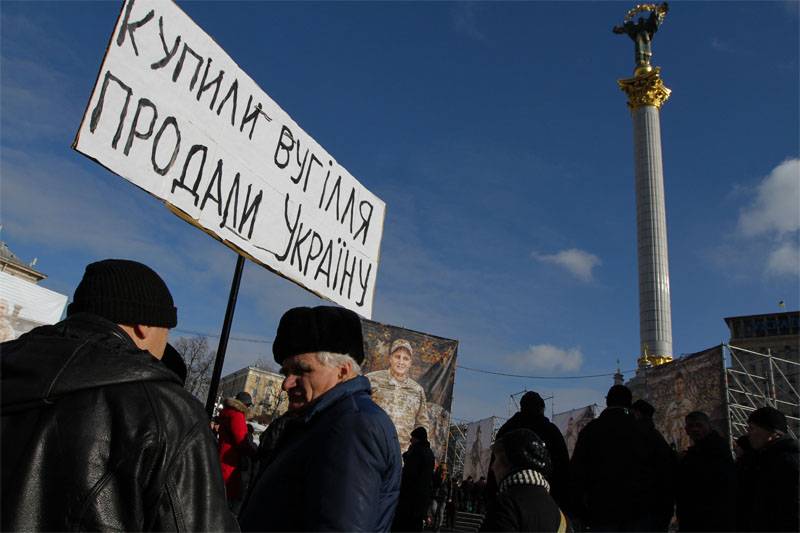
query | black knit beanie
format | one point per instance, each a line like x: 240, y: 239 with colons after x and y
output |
x: 318, y: 329
x: 124, y: 292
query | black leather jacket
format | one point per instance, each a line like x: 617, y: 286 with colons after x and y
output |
x: 99, y: 435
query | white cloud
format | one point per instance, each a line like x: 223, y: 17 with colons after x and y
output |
x: 546, y: 357
x: 576, y: 262
x: 772, y: 219
x: 776, y: 208
x: 784, y: 261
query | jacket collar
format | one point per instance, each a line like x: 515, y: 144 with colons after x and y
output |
x: 340, y: 391
x: 233, y: 403
x: 91, y: 323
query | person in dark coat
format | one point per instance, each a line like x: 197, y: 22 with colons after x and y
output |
x: 337, y: 465
x: 465, y: 494
x: 523, y: 501
x: 268, y: 442
x: 98, y: 432
x: 661, y: 499
x: 531, y: 416
x: 612, y: 465
x: 453, y: 503
x: 745, y: 479
x: 479, y: 492
x: 706, y: 485
x: 416, y: 486
x: 771, y: 501
x: 440, y: 490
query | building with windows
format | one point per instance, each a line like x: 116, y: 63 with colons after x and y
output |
x: 265, y: 388
x: 765, y: 364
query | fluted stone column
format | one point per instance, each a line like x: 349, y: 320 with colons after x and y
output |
x: 646, y: 94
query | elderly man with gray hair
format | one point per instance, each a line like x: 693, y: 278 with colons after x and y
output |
x: 337, y: 464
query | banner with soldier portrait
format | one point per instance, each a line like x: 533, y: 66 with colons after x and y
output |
x: 695, y: 382
x: 412, y: 376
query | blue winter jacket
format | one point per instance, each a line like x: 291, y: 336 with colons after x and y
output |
x: 337, y: 468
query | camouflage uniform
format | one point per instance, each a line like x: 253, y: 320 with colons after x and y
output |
x: 404, y: 402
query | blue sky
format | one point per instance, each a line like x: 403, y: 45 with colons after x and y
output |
x: 496, y: 135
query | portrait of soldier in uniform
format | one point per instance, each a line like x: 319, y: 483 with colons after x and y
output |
x: 401, y: 397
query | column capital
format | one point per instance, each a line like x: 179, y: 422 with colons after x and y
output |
x: 645, y: 88
x: 650, y: 360
x: 653, y: 360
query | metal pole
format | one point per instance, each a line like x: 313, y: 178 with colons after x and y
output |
x: 773, y: 392
x: 223, y: 338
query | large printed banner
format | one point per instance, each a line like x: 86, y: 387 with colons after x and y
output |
x: 695, y: 382
x: 25, y: 305
x: 478, y: 448
x: 570, y: 423
x: 412, y: 376
x: 174, y: 114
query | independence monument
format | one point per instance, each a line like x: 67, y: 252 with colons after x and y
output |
x: 646, y: 94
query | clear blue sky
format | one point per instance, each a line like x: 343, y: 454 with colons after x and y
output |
x: 496, y: 135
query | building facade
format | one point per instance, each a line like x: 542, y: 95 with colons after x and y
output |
x: 265, y: 388
x: 765, y: 361
x: 13, y: 265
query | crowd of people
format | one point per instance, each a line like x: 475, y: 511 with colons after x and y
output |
x: 98, y: 433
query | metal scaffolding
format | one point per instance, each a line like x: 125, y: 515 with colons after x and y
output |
x: 756, y: 379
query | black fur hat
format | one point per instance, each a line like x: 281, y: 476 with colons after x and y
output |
x: 319, y: 329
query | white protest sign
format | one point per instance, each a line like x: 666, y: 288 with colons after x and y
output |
x: 174, y: 114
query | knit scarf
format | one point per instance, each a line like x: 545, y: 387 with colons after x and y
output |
x: 524, y: 477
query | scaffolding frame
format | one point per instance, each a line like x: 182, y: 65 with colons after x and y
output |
x: 747, y: 390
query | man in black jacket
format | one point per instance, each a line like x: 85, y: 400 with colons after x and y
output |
x: 416, y: 483
x: 706, y: 486
x: 97, y: 430
x: 771, y: 496
x: 661, y: 498
x: 531, y: 416
x: 611, y: 469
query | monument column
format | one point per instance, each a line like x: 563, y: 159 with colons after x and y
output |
x: 646, y: 94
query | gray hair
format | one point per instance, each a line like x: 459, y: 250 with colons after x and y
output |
x: 334, y: 360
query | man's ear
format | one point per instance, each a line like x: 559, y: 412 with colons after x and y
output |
x: 344, y: 371
x: 139, y: 331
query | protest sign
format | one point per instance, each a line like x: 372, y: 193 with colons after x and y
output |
x: 174, y: 114
x: 412, y: 376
